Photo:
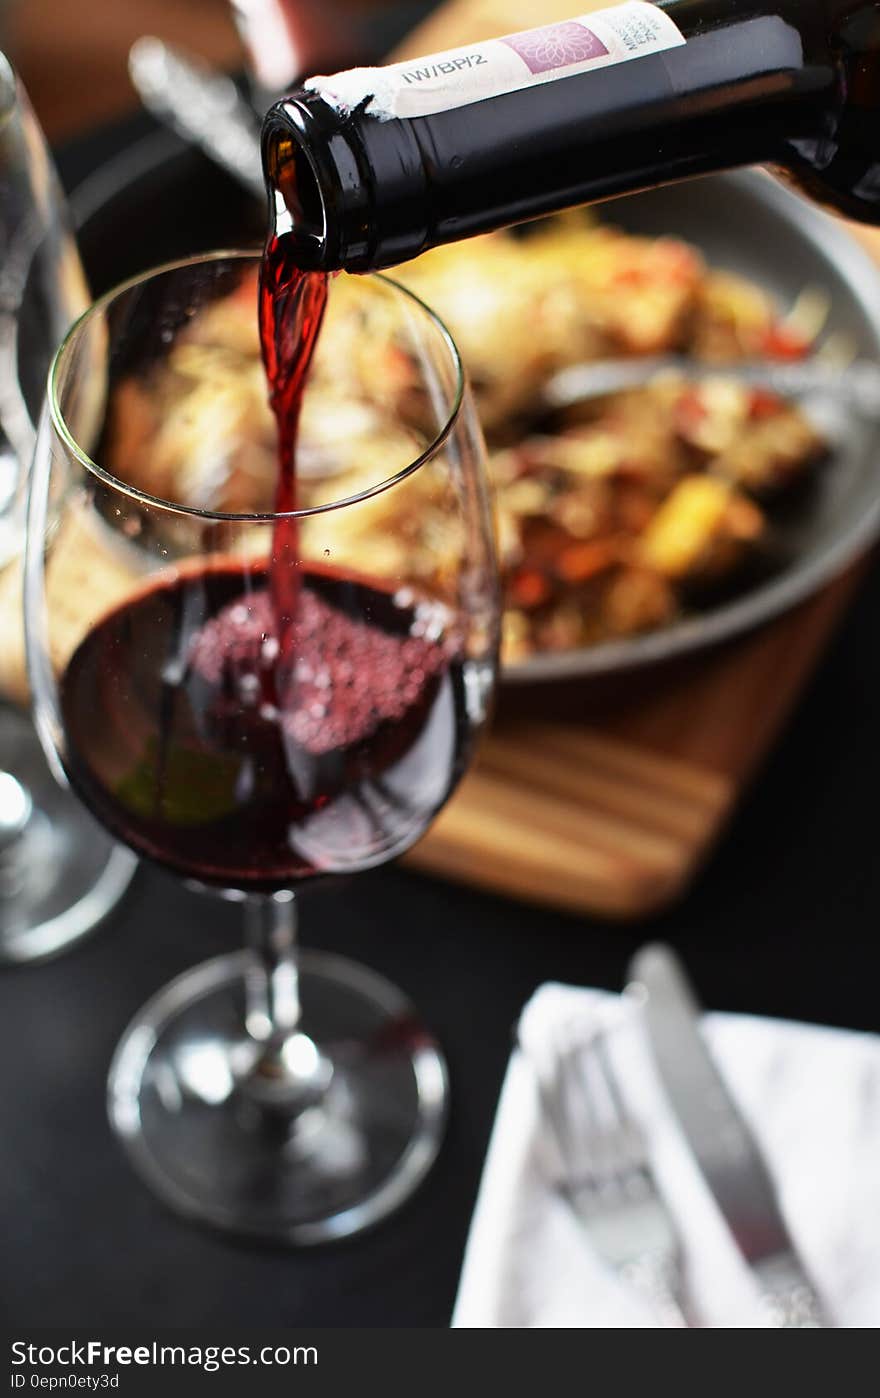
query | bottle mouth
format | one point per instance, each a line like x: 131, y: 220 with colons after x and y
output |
x: 294, y: 185
x: 347, y: 191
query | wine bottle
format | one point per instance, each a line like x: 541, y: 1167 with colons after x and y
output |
x: 370, y: 167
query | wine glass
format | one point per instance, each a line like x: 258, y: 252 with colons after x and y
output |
x: 251, y: 749
x: 59, y: 873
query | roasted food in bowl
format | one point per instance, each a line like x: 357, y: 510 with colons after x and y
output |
x: 615, y: 517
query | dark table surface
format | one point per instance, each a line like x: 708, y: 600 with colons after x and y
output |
x: 782, y: 922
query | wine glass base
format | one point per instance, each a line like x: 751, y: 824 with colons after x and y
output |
x: 61, y: 875
x: 179, y: 1100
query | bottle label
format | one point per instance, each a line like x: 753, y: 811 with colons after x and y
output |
x: 474, y: 72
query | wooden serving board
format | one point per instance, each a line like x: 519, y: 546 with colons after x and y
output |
x: 614, y: 815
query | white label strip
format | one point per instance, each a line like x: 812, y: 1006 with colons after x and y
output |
x: 474, y: 72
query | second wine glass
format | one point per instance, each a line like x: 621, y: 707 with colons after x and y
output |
x: 59, y: 873
x: 287, y: 1098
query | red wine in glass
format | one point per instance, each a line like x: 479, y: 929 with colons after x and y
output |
x: 185, y: 741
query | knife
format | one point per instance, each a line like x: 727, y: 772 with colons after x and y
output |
x: 724, y: 1148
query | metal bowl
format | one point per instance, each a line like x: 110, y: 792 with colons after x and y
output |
x: 161, y: 200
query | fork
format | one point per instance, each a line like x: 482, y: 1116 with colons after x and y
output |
x: 603, y: 1170
x: 856, y: 383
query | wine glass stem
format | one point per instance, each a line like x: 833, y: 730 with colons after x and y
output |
x: 272, y: 1007
x: 289, y: 1072
x: 16, y: 809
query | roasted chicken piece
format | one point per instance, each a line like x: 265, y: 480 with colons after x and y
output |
x: 634, y: 295
x: 497, y: 306
x: 520, y: 307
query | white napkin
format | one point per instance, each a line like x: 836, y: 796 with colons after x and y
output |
x: 812, y: 1097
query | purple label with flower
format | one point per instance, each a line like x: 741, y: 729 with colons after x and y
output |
x: 556, y: 46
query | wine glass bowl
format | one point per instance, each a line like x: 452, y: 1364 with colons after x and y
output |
x: 255, y: 700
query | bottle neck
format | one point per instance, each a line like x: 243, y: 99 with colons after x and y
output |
x: 744, y: 86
